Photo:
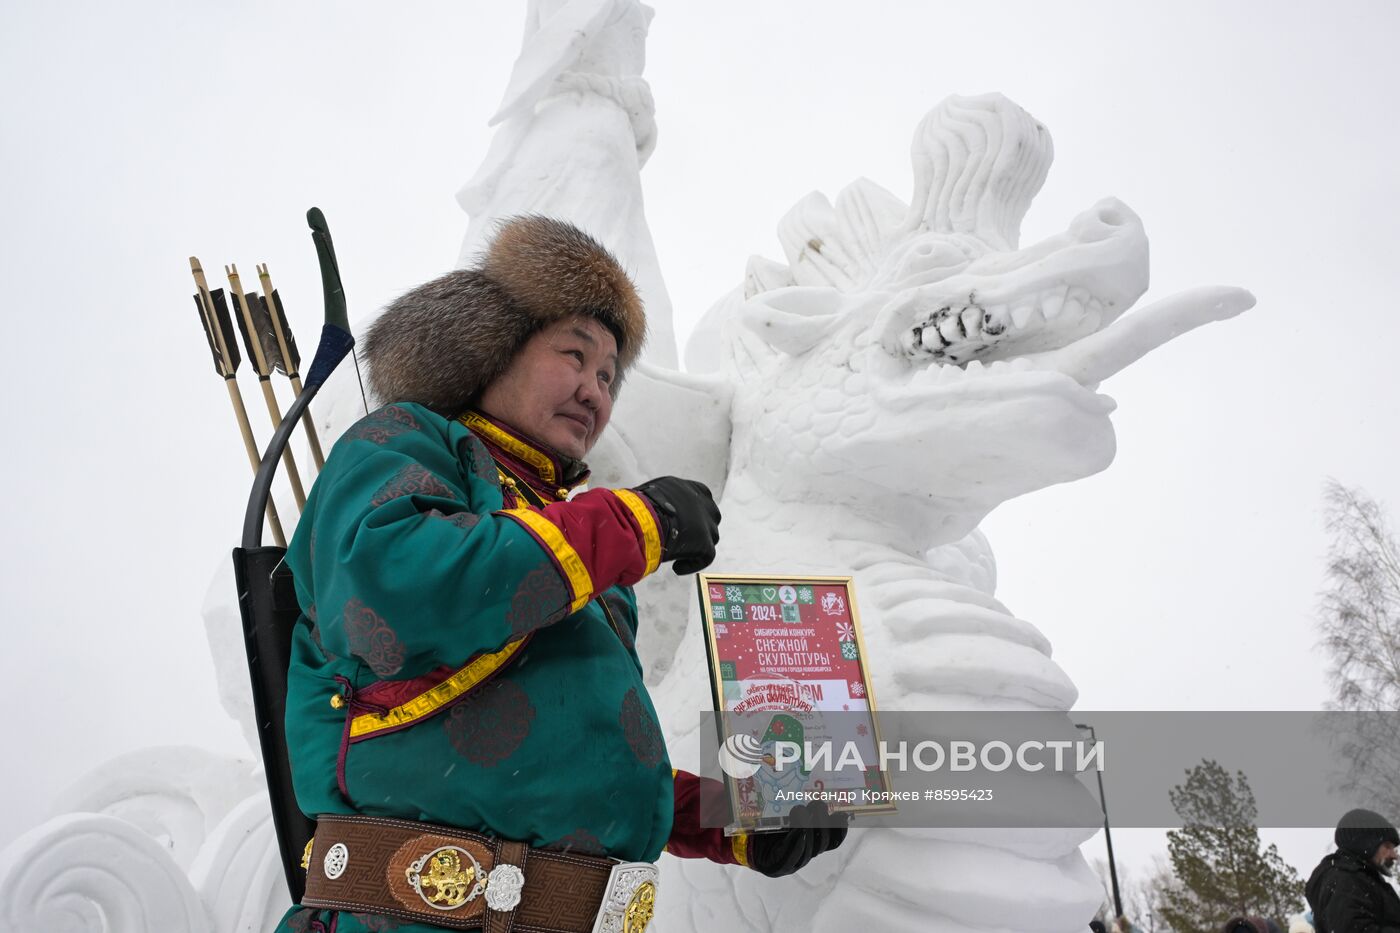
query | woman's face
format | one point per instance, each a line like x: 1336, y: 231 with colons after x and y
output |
x: 557, y: 389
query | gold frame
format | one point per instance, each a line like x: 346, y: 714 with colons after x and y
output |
x: 703, y: 581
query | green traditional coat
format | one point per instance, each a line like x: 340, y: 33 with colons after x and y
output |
x: 466, y: 654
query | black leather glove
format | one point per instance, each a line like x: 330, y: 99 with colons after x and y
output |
x: 813, y: 831
x: 689, y: 521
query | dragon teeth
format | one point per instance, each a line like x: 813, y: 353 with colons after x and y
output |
x: 982, y: 326
x: 948, y: 327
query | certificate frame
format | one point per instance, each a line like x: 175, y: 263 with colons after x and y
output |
x: 722, y: 669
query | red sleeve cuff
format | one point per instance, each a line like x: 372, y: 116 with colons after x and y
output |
x: 647, y: 525
x: 690, y: 837
x: 597, y: 539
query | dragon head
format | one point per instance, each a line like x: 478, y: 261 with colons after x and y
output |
x: 913, y: 356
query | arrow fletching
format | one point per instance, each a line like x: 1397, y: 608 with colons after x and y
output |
x: 286, y: 340
x: 243, y: 311
x: 267, y: 337
x: 209, y: 325
x: 226, y: 329
x: 279, y: 319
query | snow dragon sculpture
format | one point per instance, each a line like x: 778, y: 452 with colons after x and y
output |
x: 870, y: 400
x: 903, y: 373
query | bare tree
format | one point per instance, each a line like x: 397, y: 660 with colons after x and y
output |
x: 1150, y: 893
x: 1142, y: 893
x: 1360, y: 625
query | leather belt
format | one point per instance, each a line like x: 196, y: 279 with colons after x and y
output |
x: 463, y: 880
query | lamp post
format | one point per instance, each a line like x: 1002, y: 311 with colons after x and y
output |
x: 1107, y: 834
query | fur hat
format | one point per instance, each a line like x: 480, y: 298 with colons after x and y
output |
x: 445, y: 341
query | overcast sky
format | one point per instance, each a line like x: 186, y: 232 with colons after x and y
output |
x: 1255, y: 140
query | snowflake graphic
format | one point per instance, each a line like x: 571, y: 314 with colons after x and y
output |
x: 734, y: 594
x: 861, y: 729
x: 857, y: 688
x: 848, y: 650
x: 845, y: 631
x: 778, y: 727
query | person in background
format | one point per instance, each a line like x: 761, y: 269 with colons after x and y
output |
x: 1250, y: 925
x: 1300, y: 923
x: 1349, y: 891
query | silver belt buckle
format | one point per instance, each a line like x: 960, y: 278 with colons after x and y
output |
x: 629, y: 899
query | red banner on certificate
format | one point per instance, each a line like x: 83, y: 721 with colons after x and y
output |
x: 782, y: 651
x: 786, y: 645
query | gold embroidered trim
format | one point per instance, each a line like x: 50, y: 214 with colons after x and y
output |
x: 651, y: 535
x: 434, y: 698
x: 579, y: 579
x: 520, y: 488
x: 512, y: 445
x: 740, y: 844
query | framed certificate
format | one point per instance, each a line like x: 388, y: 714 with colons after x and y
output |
x: 787, y: 668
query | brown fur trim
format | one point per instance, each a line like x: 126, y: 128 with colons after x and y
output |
x: 443, y: 342
x: 553, y: 270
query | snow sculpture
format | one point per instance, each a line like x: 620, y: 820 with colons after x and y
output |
x: 903, y: 373
x: 163, y: 839
x: 177, y: 796
x: 84, y: 872
x: 907, y: 370
x: 578, y: 78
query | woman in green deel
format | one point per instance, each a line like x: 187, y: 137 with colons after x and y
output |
x: 466, y: 715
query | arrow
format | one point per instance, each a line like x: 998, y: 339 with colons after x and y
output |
x: 253, y: 339
x: 218, y: 329
x: 287, y: 352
